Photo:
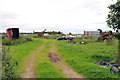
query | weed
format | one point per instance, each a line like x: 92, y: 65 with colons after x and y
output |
x: 10, y: 42
x: 8, y: 71
x: 82, y: 58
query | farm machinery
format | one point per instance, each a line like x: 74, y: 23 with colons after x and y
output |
x: 104, y: 36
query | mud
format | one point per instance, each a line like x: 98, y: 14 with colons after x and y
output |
x: 54, y: 57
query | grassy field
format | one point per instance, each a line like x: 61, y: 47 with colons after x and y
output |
x: 44, y: 68
x: 20, y: 51
x: 82, y: 58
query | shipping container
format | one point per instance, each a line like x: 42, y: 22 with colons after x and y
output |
x: 13, y: 33
x: 91, y: 33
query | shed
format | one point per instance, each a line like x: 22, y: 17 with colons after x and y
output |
x: 12, y: 33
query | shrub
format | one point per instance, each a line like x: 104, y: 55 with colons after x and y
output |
x: 7, y: 41
x: 7, y: 66
x: 10, y: 42
x: 35, y: 36
x: 3, y: 36
x: 28, y: 39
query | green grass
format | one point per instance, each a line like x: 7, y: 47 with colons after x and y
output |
x: 45, y: 68
x: 82, y: 58
x: 20, y: 51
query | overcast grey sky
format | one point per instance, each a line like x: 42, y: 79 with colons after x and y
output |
x: 60, y: 15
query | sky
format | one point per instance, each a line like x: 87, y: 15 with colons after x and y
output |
x: 73, y: 16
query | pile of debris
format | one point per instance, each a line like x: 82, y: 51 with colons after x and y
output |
x: 115, y: 68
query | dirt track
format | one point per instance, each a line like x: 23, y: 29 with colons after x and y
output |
x: 29, y: 63
x: 61, y: 65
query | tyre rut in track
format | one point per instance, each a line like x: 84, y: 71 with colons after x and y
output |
x: 29, y: 64
x: 61, y: 65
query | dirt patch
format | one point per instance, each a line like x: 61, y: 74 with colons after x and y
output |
x: 61, y: 65
x: 54, y: 57
x: 64, y: 68
x: 68, y: 71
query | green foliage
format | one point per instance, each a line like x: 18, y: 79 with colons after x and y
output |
x: 113, y: 19
x: 8, y: 71
x: 46, y: 69
x: 115, y: 55
x: 86, y: 40
x: 110, y: 42
x: 3, y: 36
x: 28, y: 39
x: 50, y: 37
x: 35, y: 36
x: 10, y: 42
x: 99, y: 57
x: 20, y: 51
x: 82, y: 58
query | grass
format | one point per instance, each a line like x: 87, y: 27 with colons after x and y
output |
x: 20, y: 51
x: 45, y: 68
x: 10, y: 42
x: 82, y: 58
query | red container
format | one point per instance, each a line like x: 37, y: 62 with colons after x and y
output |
x: 13, y: 33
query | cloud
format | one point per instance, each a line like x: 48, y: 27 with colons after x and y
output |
x: 6, y: 16
x: 65, y: 15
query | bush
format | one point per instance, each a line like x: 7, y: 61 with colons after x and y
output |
x: 28, y: 39
x: 35, y: 36
x: 7, y: 66
x: 7, y: 41
x: 10, y: 42
x: 3, y: 36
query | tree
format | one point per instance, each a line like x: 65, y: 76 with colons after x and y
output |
x: 59, y: 32
x: 113, y: 21
x: 110, y: 32
x: 70, y: 33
